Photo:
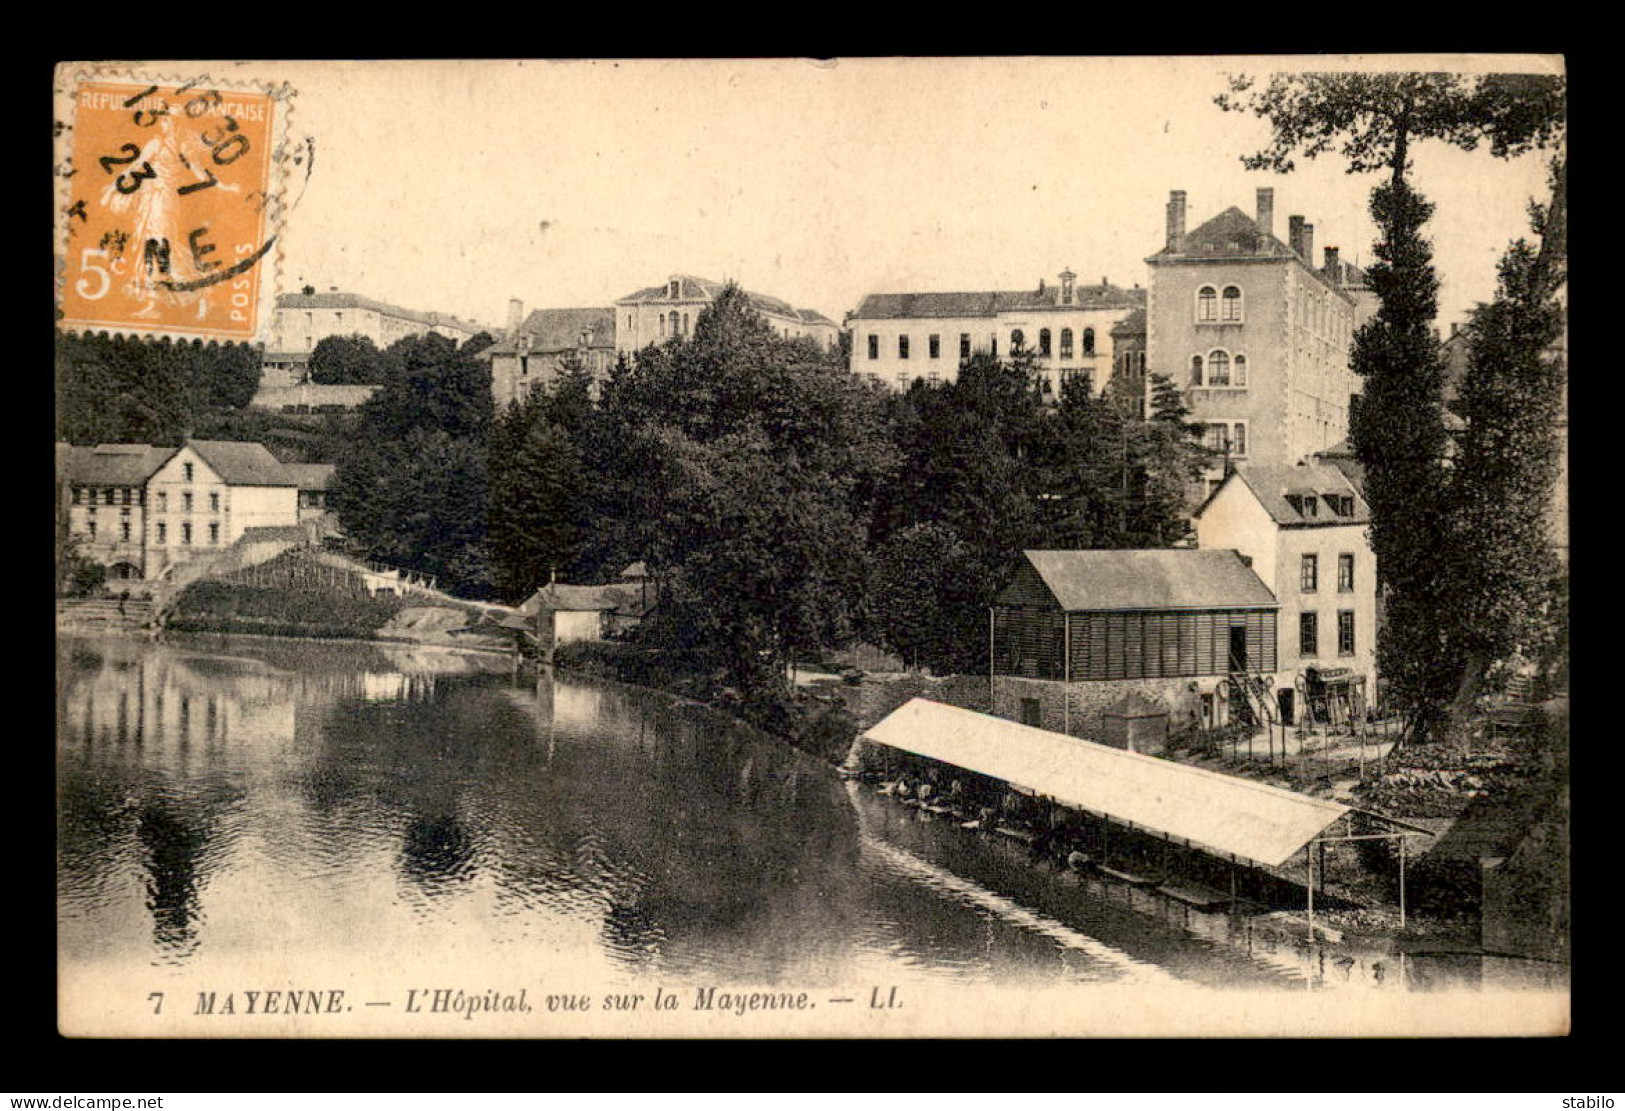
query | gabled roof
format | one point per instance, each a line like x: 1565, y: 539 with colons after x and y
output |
x: 813, y: 316
x: 1150, y: 579
x: 111, y: 464
x: 988, y: 303
x: 1230, y: 234
x: 241, y: 463
x: 311, y: 476
x: 561, y: 330
x: 1272, y: 485
x: 625, y: 599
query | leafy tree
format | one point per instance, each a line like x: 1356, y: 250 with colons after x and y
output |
x: 536, y: 485
x: 1398, y: 431
x: 132, y: 390
x: 1506, y: 463
x: 412, y: 483
x: 929, y: 596
x: 347, y: 361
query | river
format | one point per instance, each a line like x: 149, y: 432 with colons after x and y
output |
x: 244, y: 814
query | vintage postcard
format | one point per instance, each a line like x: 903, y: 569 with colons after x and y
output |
x: 801, y: 548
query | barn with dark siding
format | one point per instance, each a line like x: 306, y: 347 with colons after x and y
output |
x: 1074, y: 631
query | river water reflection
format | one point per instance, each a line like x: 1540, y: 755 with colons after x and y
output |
x: 232, y: 800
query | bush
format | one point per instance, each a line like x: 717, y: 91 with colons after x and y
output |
x: 229, y: 607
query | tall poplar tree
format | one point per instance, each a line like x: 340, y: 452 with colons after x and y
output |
x: 1398, y: 432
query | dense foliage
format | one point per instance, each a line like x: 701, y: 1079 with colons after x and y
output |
x: 124, y: 389
x: 1458, y: 529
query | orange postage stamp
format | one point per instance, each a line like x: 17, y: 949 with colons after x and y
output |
x: 167, y: 202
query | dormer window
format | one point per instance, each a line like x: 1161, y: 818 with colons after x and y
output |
x: 676, y: 289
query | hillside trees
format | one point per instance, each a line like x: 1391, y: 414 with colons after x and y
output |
x: 412, y: 485
x: 126, y: 389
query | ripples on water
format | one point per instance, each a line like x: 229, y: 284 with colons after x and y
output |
x: 221, y: 798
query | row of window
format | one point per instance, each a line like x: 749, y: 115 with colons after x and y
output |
x: 1308, y: 505
x: 1218, y: 368
x: 161, y: 536
x: 162, y: 503
x: 1309, y: 633
x: 1309, y: 573
x: 1214, y: 307
x: 677, y: 325
x: 1018, y: 343
x: 1226, y: 438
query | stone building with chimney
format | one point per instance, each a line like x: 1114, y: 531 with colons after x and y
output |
x: 534, y: 348
x: 1255, y: 334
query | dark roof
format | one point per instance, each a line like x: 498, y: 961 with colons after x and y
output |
x: 1230, y: 234
x: 111, y: 464
x: 1148, y: 579
x: 1271, y: 485
x: 897, y: 306
x: 813, y: 316
x: 357, y: 301
x: 561, y: 330
x: 620, y: 598
x: 241, y: 463
x: 262, y: 533
x: 1131, y: 325
x: 311, y: 476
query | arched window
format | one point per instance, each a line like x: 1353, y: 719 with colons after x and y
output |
x: 1231, y: 311
x: 1066, y: 343
x: 1240, y: 378
x: 1196, y: 370
x: 685, y: 324
x: 1017, y: 340
x: 1218, y: 368
x: 662, y: 323
x: 1207, y: 305
x: 1043, y: 349
x: 1088, y: 341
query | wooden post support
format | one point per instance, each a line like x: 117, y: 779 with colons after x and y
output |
x: 1402, y: 881
x: 1309, y: 863
x: 1066, y: 671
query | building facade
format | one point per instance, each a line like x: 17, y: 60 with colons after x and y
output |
x: 1074, y: 632
x: 532, y: 352
x: 900, y: 337
x: 1255, y: 335
x: 140, y: 510
x: 1304, y: 531
x: 302, y: 320
x: 658, y: 313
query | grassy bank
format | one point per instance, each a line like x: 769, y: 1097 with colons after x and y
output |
x: 219, y: 607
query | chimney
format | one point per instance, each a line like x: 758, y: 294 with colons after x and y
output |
x: 1309, y: 245
x: 1332, y: 266
x: 1455, y: 328
x: 516, y: 315
x: 1176, y: 219
x: 1266, y: 210
x: 1294, y: 233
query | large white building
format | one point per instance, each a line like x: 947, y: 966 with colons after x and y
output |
x: 900, y: 337
x: 140, y: 510
x: 302, y: 320
x: 657, y: 313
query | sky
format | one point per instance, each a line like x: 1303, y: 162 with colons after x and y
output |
x: 455, y: 186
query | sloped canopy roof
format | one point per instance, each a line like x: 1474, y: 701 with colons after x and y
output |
x: 1220, y: 813
x: 897, y: 306
x: 311, y: 476
x: 618, y: 597
x: 1160, y: 578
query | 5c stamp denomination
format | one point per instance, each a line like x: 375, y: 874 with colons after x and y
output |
x: 167, y: 202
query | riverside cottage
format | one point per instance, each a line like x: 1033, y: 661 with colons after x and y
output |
x: 1076, y: 631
